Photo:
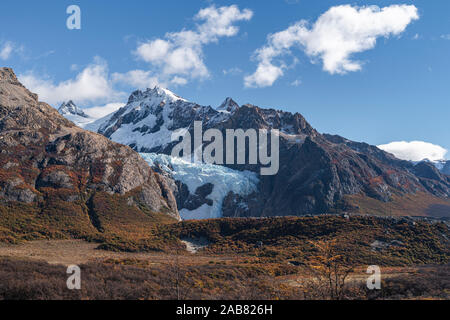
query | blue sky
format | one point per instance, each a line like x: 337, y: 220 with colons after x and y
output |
x: 400, y: 91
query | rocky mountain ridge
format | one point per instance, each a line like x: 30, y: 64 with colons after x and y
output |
x: 318, y: 172
x: 64, y: 172
x: 70, y: 108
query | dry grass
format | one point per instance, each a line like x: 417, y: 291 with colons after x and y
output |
x: 68, y: 252
x: 175, y: 277
x: 419, y: 204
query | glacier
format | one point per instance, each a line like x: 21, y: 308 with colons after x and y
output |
x: 195, y: 175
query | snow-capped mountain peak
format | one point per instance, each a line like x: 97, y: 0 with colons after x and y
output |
x: 150, y: 117
x: 229, y: 105
x: 70, y: 108
x: 72, y: 112
x: 155, y: 95
x: 166, y: 93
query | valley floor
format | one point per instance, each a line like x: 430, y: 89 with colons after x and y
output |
x: 77, y: 252
x: 37, y: 270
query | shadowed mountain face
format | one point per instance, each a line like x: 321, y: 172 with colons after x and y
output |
x: 322, y: 173
x: 318, y: 172
x: 62, y: 172
x: 446, y: 168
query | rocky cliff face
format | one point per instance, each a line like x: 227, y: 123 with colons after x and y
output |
x: 318, y: 173
x: 47, y: 162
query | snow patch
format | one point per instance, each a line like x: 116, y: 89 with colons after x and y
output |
x: 81, y: 122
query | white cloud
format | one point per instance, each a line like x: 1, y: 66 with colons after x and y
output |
x: 102, y: 111
x: 232, y: 71
x: 136, y: 78
x: 415, y: 150
x: 266, y: 74
x: 180, y: 54
x: 178, y: 81
x: 154, y: 50
x: 445, y: 36
x: 141, y: 79
x: 296, y: 83
x: 6, y: 50
x: 91, y: 85
x: 333, y: 38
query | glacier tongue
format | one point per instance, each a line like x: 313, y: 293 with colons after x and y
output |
x: 195, y: 175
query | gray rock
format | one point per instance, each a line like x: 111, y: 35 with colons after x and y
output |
x: 55, y: 179
x: 54, y: 153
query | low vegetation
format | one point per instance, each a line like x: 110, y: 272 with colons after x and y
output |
x: 138, y: 280
x: 269, y: 258
x: 404, y: 242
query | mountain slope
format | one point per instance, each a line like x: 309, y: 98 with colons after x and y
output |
x: 74, y: 182
x: 75, y: 114
x: 318, y: 172
x: 443, y: 166
x: 150, y: 117
x: 70, y: 108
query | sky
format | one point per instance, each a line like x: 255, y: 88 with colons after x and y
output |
x: 372, y: 71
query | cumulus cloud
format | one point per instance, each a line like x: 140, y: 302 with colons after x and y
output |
x: 179, y: 56
x: 415, y: 150
x: 178, y: 81
x: 336, y: 35
x: 102, y: 111
x: 6, y: 50
x: 136, y: 78
x: 91, y: 85
x: 142, y: 79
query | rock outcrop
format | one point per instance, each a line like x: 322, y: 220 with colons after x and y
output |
x: 45, y: 158
x: 319, y: 173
